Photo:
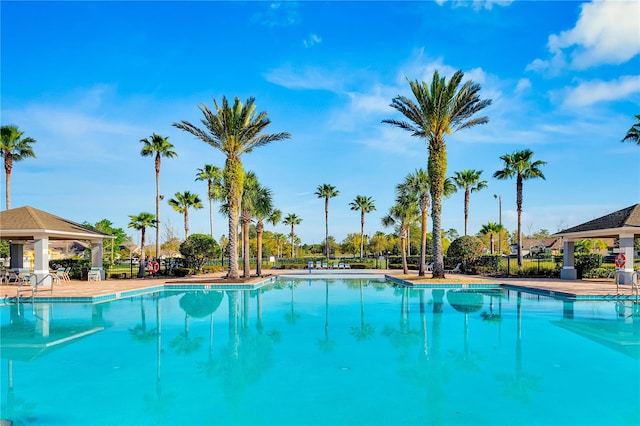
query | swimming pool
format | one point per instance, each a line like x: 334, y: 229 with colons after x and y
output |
x: 322, y: 352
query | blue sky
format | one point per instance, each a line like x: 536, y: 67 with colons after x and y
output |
x: 88, y: 80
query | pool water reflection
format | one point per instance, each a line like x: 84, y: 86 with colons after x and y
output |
x: 322, y: 351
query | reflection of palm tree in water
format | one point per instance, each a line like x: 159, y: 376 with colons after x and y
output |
x: 366, y: 330
x: 326, y: 345
x: 519, y: 385
x: 291, y: 316
x: 466, y: 302
x: 140, y: 332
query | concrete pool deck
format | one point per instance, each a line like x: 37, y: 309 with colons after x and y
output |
x: 96, y: 291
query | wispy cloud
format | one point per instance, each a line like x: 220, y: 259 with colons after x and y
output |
x: 606, y: 32
x: 312, y: 40
x: 310, y: 78
x: 476, y: 4
x: 592, y: 92
x: 278, y: 14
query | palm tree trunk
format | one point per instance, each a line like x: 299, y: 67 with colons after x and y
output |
x: 361, y: 234
x: 491, y: 241
x: 210, y: 188
x: 246, y: 255
x: 259, y: 229
x: 403, y: 249
x: 437, y: 168
x: 8, y: 165
x: 326, y: 225
x: 423, y: 243
x: 186, y: 223
x: 234, y: 181
x: 519, y: 208
x: 141, y: 272
x: 157, y: 205
x: 466, y: 209
x: 292, y: 234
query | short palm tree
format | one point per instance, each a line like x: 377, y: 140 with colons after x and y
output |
x: 234, y: 130
x: 181, y: 203
x: 439, y: 109
x: 416, y: 184
x: 469, y: 180
x: 400, y: 216
x: 365, y: 205
x: 292, y: 220
x: 279, y: 238
x: 263, y: 211
x: 13, y: 148
x: 140, y: 223
x: 326, y: 191
x: 633, y: 135
x: 213, y: 176
x: 157, y: 146
x: 521, y: 165
x: 491, y: 229
x: 249, y: 194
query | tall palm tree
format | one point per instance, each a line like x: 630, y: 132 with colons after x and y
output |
x: 181, y: 203
x: 326, y: 191
x: 233, y: 130
x: 292, y: 219
x: 263, y: 211
x: 140, y: 223
x: 633, y: 135
x: 521, y: 165
x: 491, y: 229
x: 400, y: 216
x: 13, y: 148
x: 469, y: 180
x: 441, y: 109
x: 213, y: 176
x: 157, y: 146
x: 365, y: 205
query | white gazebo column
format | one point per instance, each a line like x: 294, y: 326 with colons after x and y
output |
x: 41, y: 260
x: 625, y: 276
x: 568, y: 262
x: 96, y: 256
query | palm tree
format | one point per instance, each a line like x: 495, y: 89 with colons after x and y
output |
x: 158, y: 146
x: 417, y: 184
x: 442, y: 108
x: 633, y: 135
x: 292, y: 220
x: 279, y: 239
x: 264, y: 211
x: 251, y: 187
x: 400, y: 215
x: 233, y: 130
x: 14, y: 148
x: 181, y: 204
x: 521, y: 165
x: 365, y: 205
x: 470, y: 181
x: 140, y: 223
x: 491, y: 228
x: 326, y: 191
x: 213, y: 176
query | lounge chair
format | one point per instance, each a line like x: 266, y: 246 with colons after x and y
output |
x: 318, y: 264
x: 340, y: 265
x: 429, y: 267
x: 335, y: 265
x: 63, y: 274
x: 455, y: 270
x: 325, y: 265
x: 95, y: 274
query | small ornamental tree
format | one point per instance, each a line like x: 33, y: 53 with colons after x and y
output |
x: 198, y: 249
x: 466, y: 248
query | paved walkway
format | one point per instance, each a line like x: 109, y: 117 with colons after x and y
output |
x: 96, y: 290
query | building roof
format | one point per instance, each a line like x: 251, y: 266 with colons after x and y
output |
x: 27, y: 223
x: 621, y: 222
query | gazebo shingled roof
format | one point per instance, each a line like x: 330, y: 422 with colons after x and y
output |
x: 24, y: 223
x: 611, y: 225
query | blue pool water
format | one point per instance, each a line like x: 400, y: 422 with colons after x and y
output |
x: 322, y: 352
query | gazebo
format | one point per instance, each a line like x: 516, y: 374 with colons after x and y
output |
x: 24, y: 224
x: 623, y: 224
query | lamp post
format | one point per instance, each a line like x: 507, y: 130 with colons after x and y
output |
x: 499, y: 198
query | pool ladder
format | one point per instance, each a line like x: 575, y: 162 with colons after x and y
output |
x: 634, y: 281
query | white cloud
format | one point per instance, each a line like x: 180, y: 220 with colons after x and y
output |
x: 312, y: 78
x: 312, y: 40
x: 607, y: 32
x: 592, y: 92
x: 523, y: 85
x: 477, y: 4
